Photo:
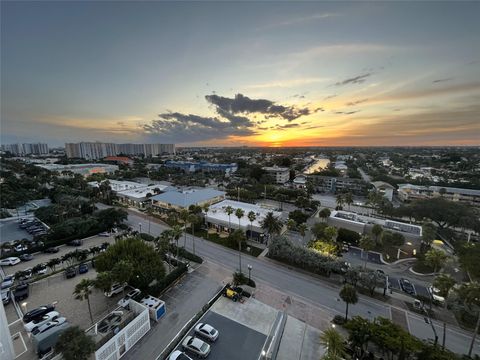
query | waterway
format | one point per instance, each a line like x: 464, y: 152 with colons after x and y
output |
x: 318, y: 165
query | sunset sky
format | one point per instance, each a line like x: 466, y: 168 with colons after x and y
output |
x: 236, y: 73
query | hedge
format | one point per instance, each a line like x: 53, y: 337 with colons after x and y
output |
x: 186, y: 254
x: 163, y: 284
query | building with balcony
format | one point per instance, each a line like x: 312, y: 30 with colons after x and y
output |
x: 409, y: 192
x: 331, y: 184
x: 280, y: 174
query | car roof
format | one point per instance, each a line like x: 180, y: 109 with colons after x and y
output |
x: 197, y: 342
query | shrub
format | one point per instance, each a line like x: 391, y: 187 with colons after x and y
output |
x: 186, y: 254
x: 146, y: 237
x: 160, y: 286
x: 348, y: 236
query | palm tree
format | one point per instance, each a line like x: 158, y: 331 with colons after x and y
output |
x: 348, y: 198
x: 271, y: 224
x: 333, y: 341
x: 444, y: 283
x: 176, y: 233
x: 302, y: 228
x: 82, y: 291
x: 229, y: 210
x: 184, y: 214
x: 239, y: 214
x: 377, y: 231
x: 192, y: 219
x: 291, y: 224
x: 340, y: 200
x: 435, y: 258
x: 52, y: 263
x: 251, y: 217
x: 349, y: 295
x: 367, y: 244
x: 470, y: 294
x: 206, y: 208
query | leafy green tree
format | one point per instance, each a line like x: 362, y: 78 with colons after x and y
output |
x: 330, y: 233
x: 82, y: 291
x: 122, y: 272
x: 75, y: 344
x: 111, y: 217
x: 53, y: 263
x: 435, y: 258
x: 349, y: 295
x: 432, y: 352
x: 333, y: 341
x: 324, y: 214
x: 348, y: 236
x: 291, y: 224
x: 469, y: 293
x: 104, y: 281
x: 377, y: 231
x: 367, y: 244
x: 299, y: 216
x: 147, y: 266
x: 468, y: 255
x: 429, y: 232
x: 318, y: 230
x: 360, y: 332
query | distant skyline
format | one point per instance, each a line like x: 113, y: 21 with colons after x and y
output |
x: 241, y: 73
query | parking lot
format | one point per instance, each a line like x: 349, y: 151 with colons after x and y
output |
x: 10, y: 231
x: 243, y: 328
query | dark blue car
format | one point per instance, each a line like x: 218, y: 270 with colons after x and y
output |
x: 82, y: 268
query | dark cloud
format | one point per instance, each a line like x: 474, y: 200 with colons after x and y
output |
x: 286, y: 126
x: 241, y: 104
x: 353, y: 103
x: 355, y: 80
x: 346, y: 112
x: 441, y: 80
x: 330, y: 97
x: 183, y: 128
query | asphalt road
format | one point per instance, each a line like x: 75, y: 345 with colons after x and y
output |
x: 305, y: 287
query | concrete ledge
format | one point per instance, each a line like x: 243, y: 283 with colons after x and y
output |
x: 420, y: 274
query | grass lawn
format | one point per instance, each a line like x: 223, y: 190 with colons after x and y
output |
x: 254, y: 251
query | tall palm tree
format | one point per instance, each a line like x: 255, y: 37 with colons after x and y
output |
x: 348, y: 198
x: 239, y: 214
x: 206, y: 208
x: 82, y: 291
x: 324, y: 214
x: 444, y: 283
x: 367, y: 244
x: 333, y: 341
x: 229, y: 210
x: 302, y: 228
x: 192, y: 219
x: 349, y: 295
x: 271, y: 224
x: 340, y: 200
x: 470, y: 294
x: 184, y: 214
x: 176, y: 233
x: 251, y: 217
x: 435, y: 258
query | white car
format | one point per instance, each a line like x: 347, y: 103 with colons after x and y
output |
x: 199, y: 347
x: 206, y: 331
x: 115, y: 289
x: 178, y: 355
x: 123, y: 302
x: 10, y: 261
x: 19, y: 248
x: 7, y: 283
x: 41, y: 270
x: 52, y: 315
x: 48, y: 325
x: 435, y: 294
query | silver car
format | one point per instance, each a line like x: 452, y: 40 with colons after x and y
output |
x: 195, y: 345
x: 48, y: 325
x: 206, y: 331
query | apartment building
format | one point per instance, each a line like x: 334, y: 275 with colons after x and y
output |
x: 281, y: 175
x: 98, y: 150
x: 408, y: 192
x: 206, y: 166
x: 26, y: 149
x: 335, y: 185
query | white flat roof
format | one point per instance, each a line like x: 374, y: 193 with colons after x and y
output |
x: 217, y: 214
x: 142, y: 192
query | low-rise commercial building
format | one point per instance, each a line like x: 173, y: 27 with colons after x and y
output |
x: 280, y: 174
x: 178, y: 200
x: 218, y: 219
x: 82, y: 169
x: 408, y: 192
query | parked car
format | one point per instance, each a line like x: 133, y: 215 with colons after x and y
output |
x: 20, y: 248
x: 75, y: 243
x: 21, y: 292
x: 10, y: 261
x: 179, y: 355
x: 26, y: 257
x: 51, y: 250
x: 115, y: 289
x: 206, y: 331
x: 50, y: 316
x: 48, y: 325
x: 70, y: 272
x: 104, y: 234
x: 8, y: 282
x: 436, y: 294
x: 82, y: 268
x: 38, y: 312
x: 407, y: 286
x: 123, y: 302
x: 199, y: 347
x: 6, y: 296
x: 25, y: 274
x: 41, y: 269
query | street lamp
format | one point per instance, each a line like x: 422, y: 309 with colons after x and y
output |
x: 250, y: 267
x: 140, y: 227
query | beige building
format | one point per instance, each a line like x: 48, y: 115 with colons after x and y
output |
x: 409, y: 192
x: 280, y: 174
